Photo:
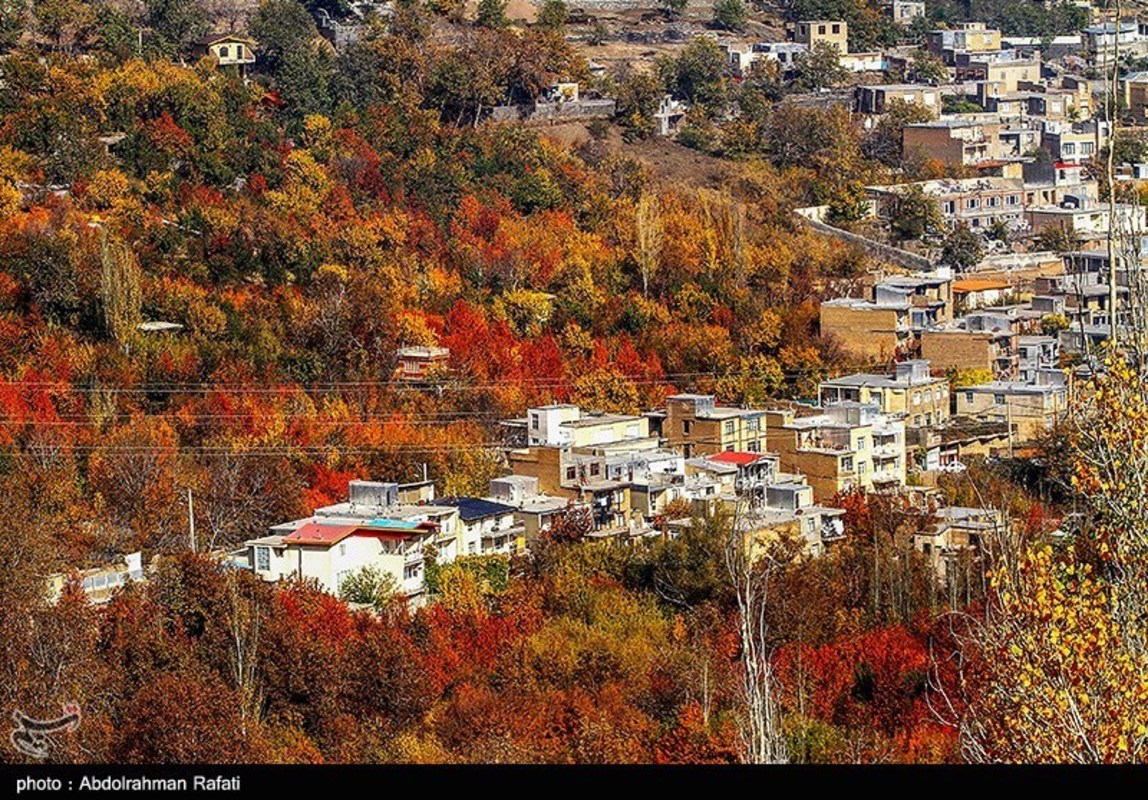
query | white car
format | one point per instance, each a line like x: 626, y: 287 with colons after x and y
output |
x: 952, y: 466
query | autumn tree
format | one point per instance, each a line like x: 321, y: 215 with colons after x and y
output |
x: 492, y: 14
x: 751, y: 570
x: 12, y: 21
x: 914, y: 214
x: 1053, y: 677
x: 730, y: 14
x: 819, y: 68
x: 649, y: 234
x: 120, y: 291
x: 553, y: 15
x: 369, y: 586
x: 697, y: 75
x: 961, y: 248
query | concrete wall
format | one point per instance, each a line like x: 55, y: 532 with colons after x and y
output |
x: 553, y: 112
x: 877, y: 250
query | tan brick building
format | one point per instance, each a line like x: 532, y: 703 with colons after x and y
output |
x: 869, y: 330
x: 959, y: 349
x: 834, y: 32
x: 910, y: 392
x: 850, y: 445
x: 696, y: 426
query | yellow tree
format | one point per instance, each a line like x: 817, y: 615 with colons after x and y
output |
x: 1053, y: 680
x: 649, y: 234
x: 120, y: 290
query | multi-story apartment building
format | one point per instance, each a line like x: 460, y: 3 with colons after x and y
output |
x: 876, y: 99
x: 1050, y: 184
x: 886, y: 324
x: 954, y: 142
x: 1135, y: 88
x: 488, y: 526
x: 958, y: 531
x: 566, y: 425
x: 1101, y: 41
x: 960, y: 345
x: 789, y: 508
x: 847, y: 445
x: 385, y: 526
x: 966, y: 37
x: 911, y: 392
x: 696, y: 426
x: 1074, y: 143
x: 1030, y: 408
x: 1002, y: 74
x: 1085, y: 218
x: 978, y: 202
x: 903, y: 12
x: 1035, y: 354
x: 834, y: 32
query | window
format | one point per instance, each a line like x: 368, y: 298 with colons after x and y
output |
x: 687, y: 427
x: 729, y: 428
x: 821, y: 29
x: 998, y: 399
x: 810, y: 525
x: 1068, y: 149
x: 595, y: 469
x: 412, y: 571
x: 862, y: 467
x: 847, y: 464
x: 472, y: 548
x: 837, y: 29
x: 994, y: 202
x: 860, y: 442
x: 1086, y: 148
x: 949, y: 207
x: 729, y: 448
x: 224, y: 52
x: 571, y: 473
x: 968, y: 397
x: 752, y: 425
x: 929, y: 418
x: 343, y: 549
x: 916, y: 398
x: 533, y: 422
x: 263, y: 558
x: 917, y: 420
x: 973, y: 202
x: 754, y: 446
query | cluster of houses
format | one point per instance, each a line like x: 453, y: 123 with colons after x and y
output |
x: 1020, y: 121
x: 633, y: 476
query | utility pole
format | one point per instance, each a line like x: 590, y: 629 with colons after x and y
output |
x: 1008, y: 410
x: 1113, y: 112
x: 191, y: 519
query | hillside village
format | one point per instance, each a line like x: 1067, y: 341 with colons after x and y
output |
x: 565, y: 382
x: 980, y: 339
